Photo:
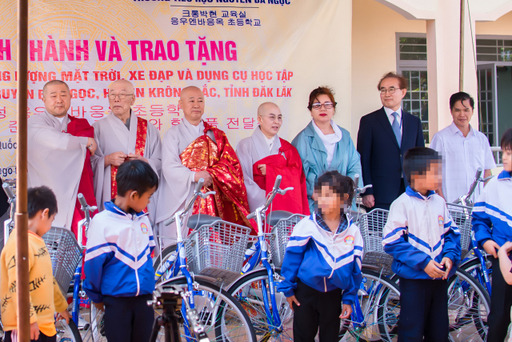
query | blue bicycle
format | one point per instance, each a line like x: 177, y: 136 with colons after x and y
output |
x: 207, y: 312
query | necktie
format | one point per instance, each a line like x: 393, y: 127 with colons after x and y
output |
x: 396, y: 128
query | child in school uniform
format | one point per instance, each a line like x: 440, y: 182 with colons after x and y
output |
x: 492, y: 224
x: 119, y: 273
x: 322, y: 262
x: 425, y: 245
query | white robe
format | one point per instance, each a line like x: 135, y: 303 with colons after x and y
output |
x: 177, y: 181
x: 55, y: 159
x: 249, y: 151
x: 112, y: 135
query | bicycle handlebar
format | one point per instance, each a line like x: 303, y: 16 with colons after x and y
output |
x: 8, y: 191
x: 85, y: 206
x: 190, y: 203
x: 270, y: 197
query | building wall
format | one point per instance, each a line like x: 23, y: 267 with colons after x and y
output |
x: 374, y: 28
x: 502, y: 26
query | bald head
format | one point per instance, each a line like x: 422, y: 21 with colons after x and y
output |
x: 192, y: 104
x: 270, y: 119
x: 121, y: 97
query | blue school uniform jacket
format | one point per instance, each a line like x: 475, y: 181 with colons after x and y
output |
x: 118, y: 259
x: 492, y: 213
x: 323, y: 260
x: 420, y: 229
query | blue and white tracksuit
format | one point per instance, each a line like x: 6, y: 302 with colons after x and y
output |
x: 492, y: 212
x: 420, y: 229
x: 323, y: 260
x: 118, y: 259
x: 492, y: 219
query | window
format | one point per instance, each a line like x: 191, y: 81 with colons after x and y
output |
x: 412, y: 64
x: 494, y: 50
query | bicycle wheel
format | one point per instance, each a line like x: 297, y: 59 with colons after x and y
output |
x: 157, y: 261
x: 375, y: 317
x: 67, y: 332
x: 249, y: 290
x: 95, y: 331
x: 468, y: 307
x: 223, y: 317
x: 474, y: 268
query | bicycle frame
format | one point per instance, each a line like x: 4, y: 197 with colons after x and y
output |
x: 180, y: 264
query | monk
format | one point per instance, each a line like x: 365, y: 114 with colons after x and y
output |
x: 59, y: 151
x: 123, y: 136
x: 193, y: 150
x: 264, y: 155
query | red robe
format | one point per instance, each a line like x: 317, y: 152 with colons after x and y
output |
x: 82, y: 128
x: 288, y: 164
x: 220, y: 160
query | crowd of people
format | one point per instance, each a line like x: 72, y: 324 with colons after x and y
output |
x: 120, y: 162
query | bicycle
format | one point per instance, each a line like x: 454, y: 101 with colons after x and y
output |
x: 218, y: 316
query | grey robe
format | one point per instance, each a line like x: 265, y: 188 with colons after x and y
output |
x: 56, y: 159
x: 249, y: 151
x: 112, y: 135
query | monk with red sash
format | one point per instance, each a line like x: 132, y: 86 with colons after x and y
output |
x: 59, y: 148
x: 122, y: 136
x: 263, y: 156
x: 193, y: 150
x: 82, y: 128
x: 212, y: 152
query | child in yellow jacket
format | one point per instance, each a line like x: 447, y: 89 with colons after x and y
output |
x: 45, y: 295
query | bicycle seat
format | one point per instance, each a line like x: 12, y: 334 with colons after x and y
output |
x: 198, y: 220
x: 277, y: 215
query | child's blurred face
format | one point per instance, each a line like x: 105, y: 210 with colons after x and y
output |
x: 140, y: 202
x: 507, y: 159
x: 328, y: 201
x: 431, y: 180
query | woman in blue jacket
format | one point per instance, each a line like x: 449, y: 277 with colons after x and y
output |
x: 323, y: 145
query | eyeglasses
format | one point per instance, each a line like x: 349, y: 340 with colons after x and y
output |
x: 327, y: 105
x: 390, y: 90
x: 121, y: 96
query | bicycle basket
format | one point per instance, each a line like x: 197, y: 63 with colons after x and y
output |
x: 280, y: 235
x: 371, y: 226
x: 461, y: 215
x: 65, y: 254
x: 217, y: 250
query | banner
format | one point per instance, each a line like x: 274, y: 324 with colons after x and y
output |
x: 241, y: 53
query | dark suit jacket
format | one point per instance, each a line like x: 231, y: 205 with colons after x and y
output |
x: 381, y: 158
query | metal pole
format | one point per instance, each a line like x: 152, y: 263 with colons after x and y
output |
x: 21, y: 218
x: 461, y: 45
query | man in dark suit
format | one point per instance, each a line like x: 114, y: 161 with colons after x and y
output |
x: 382, y: 140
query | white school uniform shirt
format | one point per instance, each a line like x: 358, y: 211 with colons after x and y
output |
x: 462, y: 156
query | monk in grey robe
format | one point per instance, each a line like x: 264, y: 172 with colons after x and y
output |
x: 122, y: 136
x: 59, y: 148
x: 193, y: 150
x: 263, y: 156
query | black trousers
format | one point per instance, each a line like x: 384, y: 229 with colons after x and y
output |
x: 501, y: 301
x: 423, y: 311
x: 317, y: 310
x: 128, y: 318
x: 42, y: 337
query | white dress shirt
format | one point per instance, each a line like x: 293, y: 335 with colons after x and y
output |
x: 462, y: 156
x: 391, y: 118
